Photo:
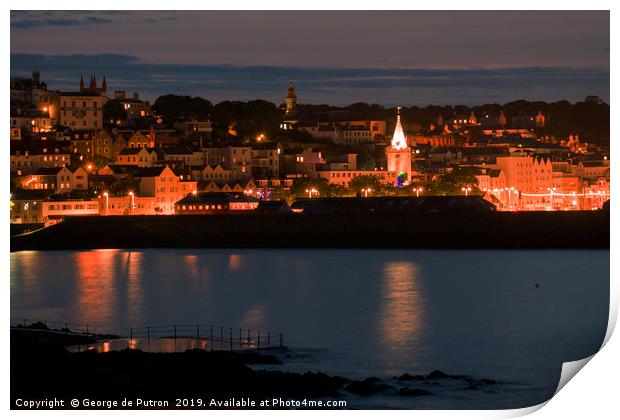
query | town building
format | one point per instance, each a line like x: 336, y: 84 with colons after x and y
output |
x: 343, y: 177
x: 593, y: 170
x: 142, y: 157
x: 30, y: 122
x: 212, y: 173
x: 187, y: 128
x: 215, y: 203
x: 247, y: 187
x: 159, y: 187
x: 266, y: 160
x: 135, y: 108
x: 83, y: 144
x: 103, y: 143
x: 80, y: 110
x: 27, y: 158
x: 57, y: 180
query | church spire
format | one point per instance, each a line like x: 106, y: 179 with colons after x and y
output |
x: 81, y: 83
x: 502, y: 118
x: 398, y: 139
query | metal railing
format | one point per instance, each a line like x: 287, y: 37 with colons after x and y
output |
x: 214, y: 336
x: 51, y: 326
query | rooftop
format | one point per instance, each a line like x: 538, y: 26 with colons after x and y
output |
x: 216, y: 198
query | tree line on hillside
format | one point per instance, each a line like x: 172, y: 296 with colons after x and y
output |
x: 451, y: 183
x: 590, y: 118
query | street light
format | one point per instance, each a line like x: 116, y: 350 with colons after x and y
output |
x: 551, y: 192
x: 466, y: 190
x: 418, y: 191
x: 366, y: 191
x: 105, y: 194
x: 132, y: 200
x: 509, y: 190
x: 311, y: 191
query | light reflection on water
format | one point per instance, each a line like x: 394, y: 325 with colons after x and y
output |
x: 401, y: 311
x: 163, y: 345
x: 96, y: 285
x: 355, y: 313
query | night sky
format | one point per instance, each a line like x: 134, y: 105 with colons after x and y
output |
x: 406, y: 57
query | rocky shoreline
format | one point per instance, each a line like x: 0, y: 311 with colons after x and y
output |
x: 42, y: 369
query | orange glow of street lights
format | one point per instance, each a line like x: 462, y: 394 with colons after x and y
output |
x: 131, y: 194
x: 366, y: 191
x: 466, y: 190
x: 311, y: 191
x: 418, y: 190
x: 105, y: 194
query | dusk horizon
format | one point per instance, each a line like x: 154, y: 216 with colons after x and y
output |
x: 334, y: 86
x: 336, y: 57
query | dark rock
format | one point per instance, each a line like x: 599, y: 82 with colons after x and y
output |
x: 405, y: 377
x: 45, y: 365
x: 367, y: 386
x: 437, y: 374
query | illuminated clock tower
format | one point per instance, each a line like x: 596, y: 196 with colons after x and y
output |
x: 291, y: 100
x: 290, y: 113
x: 399, y: 155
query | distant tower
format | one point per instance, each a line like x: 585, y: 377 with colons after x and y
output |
x: 540, y: 120
x: 104, y: 87
x: 93, y: 83
x: 398, y: 154
x: 472, y: 119
x: 81, y: 83
x: 502, y: 119
x: 152, y: 137
x: 439, y: 120
x: 36, y: 77
x: 290, y: 113
x: 291, y: 100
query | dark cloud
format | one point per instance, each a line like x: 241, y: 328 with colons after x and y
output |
x: 413, y: 39
x: 322, y: 85
x: 42, y: 21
